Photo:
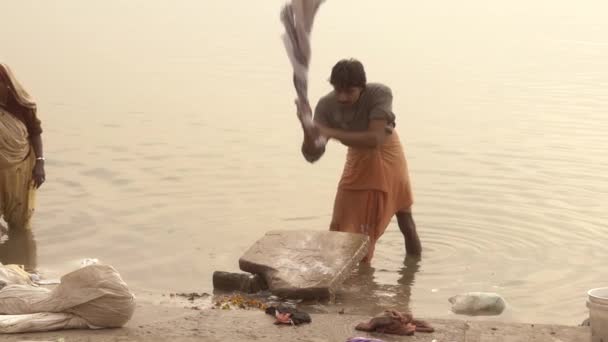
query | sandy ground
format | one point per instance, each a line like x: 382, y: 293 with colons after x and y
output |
x: 173, y: 321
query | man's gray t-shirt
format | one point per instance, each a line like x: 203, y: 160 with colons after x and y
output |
x: 375, y: 102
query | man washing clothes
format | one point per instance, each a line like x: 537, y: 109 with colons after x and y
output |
x: 375, y: 184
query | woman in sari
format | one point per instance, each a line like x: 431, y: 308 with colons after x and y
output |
x: 21, y: 155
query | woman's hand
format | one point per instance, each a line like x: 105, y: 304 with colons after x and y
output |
x: 38, y: 175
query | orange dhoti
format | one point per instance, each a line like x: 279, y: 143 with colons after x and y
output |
x: 374, y: 186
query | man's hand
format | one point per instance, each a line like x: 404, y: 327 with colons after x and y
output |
x: 313, y: 145
x: 38, y: 175
x: 304, y: 112
x: 311, y: 131
x: 373, y: 137
x: 331, y: 133
x: 325, y: 131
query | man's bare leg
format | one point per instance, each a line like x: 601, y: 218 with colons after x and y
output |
x: 410, y: 235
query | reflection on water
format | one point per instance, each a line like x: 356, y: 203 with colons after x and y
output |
x: 365, y: 293
x: 18, y: 246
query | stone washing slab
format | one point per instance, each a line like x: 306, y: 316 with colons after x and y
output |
x: 305, y: 264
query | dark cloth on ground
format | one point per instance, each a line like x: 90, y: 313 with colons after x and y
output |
x: 396, y: 323
x: 288, y: 315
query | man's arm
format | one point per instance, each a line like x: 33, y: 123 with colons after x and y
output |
x: 375, y: 135
x: 378, y: 129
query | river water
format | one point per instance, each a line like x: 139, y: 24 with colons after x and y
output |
x: 172, y: 144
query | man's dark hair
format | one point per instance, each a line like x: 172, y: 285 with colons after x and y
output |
x: 348, y: 73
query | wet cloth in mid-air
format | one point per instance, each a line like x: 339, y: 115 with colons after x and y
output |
x: 298, y: 17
